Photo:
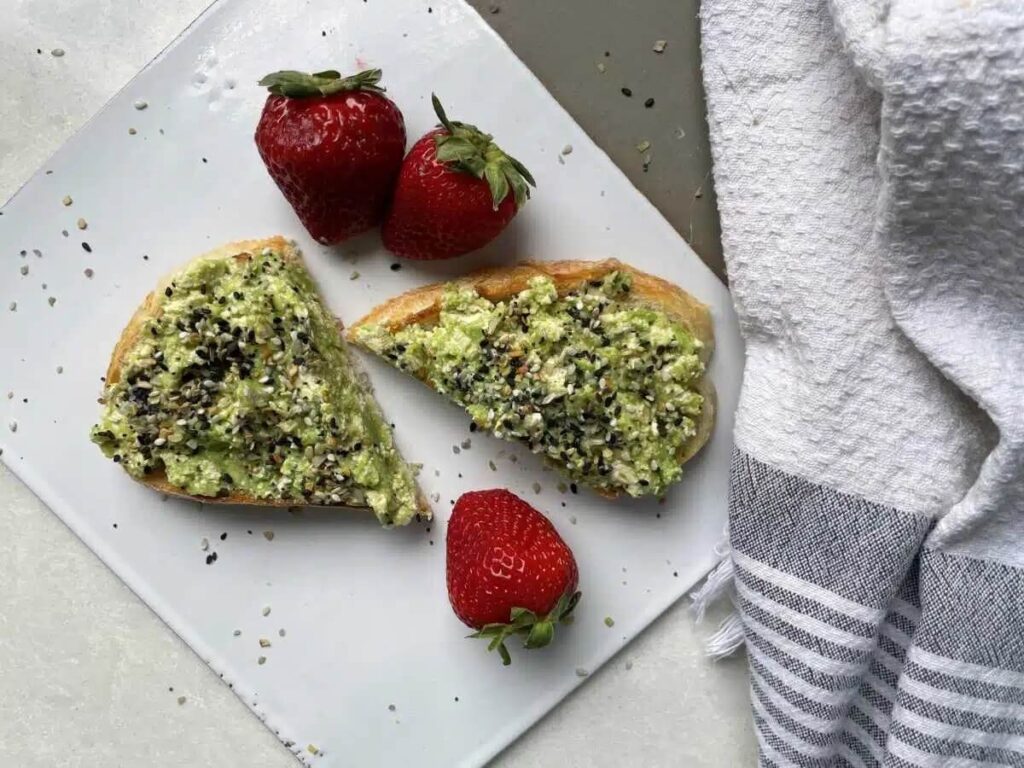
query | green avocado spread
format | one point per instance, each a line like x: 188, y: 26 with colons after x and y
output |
x: 240, y: 383
x: 603, y: 387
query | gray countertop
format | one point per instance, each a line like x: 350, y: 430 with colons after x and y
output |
x: 90, y: 676
x: 586, y: 53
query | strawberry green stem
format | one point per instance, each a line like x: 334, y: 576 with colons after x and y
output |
x: 300, y: 85
x: 538, y: 630
x: 466, y: 148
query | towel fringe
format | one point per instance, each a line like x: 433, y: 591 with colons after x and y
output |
x: 718, y: 582
x: 728, y: 638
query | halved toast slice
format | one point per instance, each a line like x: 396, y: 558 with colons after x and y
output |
x: 595, y: 365
x: 232, y: 384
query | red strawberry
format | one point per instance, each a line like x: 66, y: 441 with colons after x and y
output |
x: 334, y: 147
x: 456, y: 192
x: 509, y: 572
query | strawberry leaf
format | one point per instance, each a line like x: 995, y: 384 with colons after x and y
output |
x: 464, y: 147
x: 301, y: 85
x: 498, y: 182
x: 537, y: 631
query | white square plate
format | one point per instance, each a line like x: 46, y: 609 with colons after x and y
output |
x: 367, y: 620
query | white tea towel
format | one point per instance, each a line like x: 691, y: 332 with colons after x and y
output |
x: 869, y: 162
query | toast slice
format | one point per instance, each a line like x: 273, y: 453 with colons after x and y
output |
x: 232, y: 384
x: 595, y: 365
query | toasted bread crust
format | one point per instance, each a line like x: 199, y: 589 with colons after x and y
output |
x: 150, y: 307
x: 422, y: 306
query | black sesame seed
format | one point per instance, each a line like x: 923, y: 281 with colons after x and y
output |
x: 472, y: 426
x: 224, y: 536
x: 86, y: 247
x: 395, y: 267
x: 627, y: 92
x: 573, y: 488
x: 649, y: 103
x: 168, y: 292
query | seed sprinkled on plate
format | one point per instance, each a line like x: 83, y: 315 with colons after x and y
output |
x: 181, y: 700
x: 261, y: 660
x: 67, y: 200
x: 204, y: 544
x: 268, y: 535
x: 660, y: 46
x: 536, y: 487
x: 581, y: 672
x: 609, y: 621
x: 237, y: 633
x: 13, y: 306
x: 82, y: 224
x: 132, y: 131
x: 140, y: 104
x: 52, y: 300
x: 24, y: 269
x: 264, y: 643
x: 266, y: 610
